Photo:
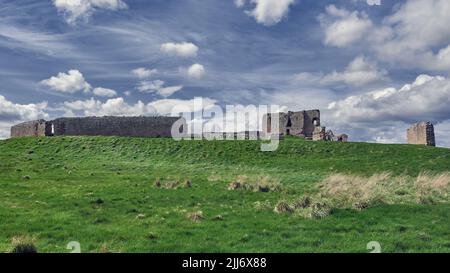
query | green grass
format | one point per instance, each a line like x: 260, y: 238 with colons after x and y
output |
x: 49, y: 188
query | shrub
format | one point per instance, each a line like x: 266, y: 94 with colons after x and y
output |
x: 23, y: 244
x: 302, y: 203
x: 320, y: 210
x: 283, y: 207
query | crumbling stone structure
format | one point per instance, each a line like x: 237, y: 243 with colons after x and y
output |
x: 421, y: 133
x: 35, y: 128
x: 342, y: 138
x: 305, y: 124
x: 101, y: 126
x: 300, y: 124
x: 319, y: 133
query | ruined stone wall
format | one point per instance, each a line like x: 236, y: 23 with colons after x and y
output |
x: 34, y: 128
x: 100, y: 126
x: 311, y: 121
x: 115, y: 126
x: 300, y: 123
x: 421, y: 134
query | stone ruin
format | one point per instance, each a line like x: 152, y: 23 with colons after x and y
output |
x: 158, y: 126
x: 304, y: 124
x: 421, y: 133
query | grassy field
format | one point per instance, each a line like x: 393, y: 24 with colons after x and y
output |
x: 101, y: 192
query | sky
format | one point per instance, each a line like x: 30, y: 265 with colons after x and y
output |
x: 373, y: 67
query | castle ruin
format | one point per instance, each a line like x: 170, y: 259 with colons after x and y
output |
x: 301, y: 124
x: 421, y: 133
x: 304, y: 124
x: 155, y: 127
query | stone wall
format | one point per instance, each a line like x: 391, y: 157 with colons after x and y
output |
x: 100, y: 126
x: 300, y: 123
x: 34, y: 128
x: 421, y: 134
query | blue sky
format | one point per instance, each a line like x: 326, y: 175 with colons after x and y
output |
x: 372, y: 69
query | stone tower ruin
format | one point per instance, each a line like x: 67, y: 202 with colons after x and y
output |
x: 421, y: 133
x: 300, y: 124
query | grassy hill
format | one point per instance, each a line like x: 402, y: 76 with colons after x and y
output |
x: 101, y: 192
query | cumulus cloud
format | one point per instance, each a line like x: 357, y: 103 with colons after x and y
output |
x: 180, y: 49
x: 267, y: 12
x: 104, y: 92
x: 196, y: 71
x: 13, y: 113
x: 75, y: 10
x: 74, y: 81
x: 343, y: 27
x: 158, y: 87
x: 70, y: 82
x: 144, y: 73
x: 384, y: 115
x: 427, y: 98
x: 112, y: 107
x: 120, y: 107
x: 414, y: 35
x: 359, y: 72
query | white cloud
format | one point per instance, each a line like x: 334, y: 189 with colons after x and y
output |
x: 74, y: 10
x: 10, y: 111
x: 104, y: 92
x: 267, y: 12
x: 16, y: 36
x: 112, y: 107
x: 180, y: 49
x: 359, y: 72
x: 196, y: 71
x: 167, y: 106
x: 343, y: 27
x: 119, y: 107
x: 158, y: 87
x: 414, y: 35
x: 169, y: 91
x: 384, y: 115
x: 239, y: 3
x: 427, y: 98
x: 13, y: 113
x: 70, y: 82
x: 144, y: 73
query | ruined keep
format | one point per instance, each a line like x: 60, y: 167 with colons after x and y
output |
x: 35, y: 128
x: 300, y: 124
x: 421, y: 133
x: 101, y: 126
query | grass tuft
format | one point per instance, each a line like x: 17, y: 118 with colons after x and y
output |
x: 23, y: 244
x: 196, y: 216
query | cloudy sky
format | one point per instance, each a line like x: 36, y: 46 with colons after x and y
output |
x: 372, y: 69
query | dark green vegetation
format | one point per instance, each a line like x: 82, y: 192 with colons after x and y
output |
x: 100, y: 191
